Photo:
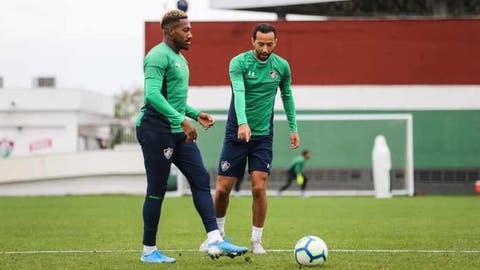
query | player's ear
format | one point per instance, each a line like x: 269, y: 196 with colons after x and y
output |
x: 253, y: 41
x: 170, y: 30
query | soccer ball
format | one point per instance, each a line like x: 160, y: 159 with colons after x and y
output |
x: 310, y: 250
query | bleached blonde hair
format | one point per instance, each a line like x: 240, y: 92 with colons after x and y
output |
x: 172, y: 16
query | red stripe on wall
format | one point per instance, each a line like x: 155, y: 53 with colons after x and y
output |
x: 343, y: 52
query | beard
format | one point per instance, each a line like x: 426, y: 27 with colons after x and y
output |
x: 182, y: 45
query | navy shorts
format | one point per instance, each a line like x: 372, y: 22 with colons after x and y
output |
x: 235, y: 154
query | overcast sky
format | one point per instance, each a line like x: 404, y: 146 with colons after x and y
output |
x: 90, y: 44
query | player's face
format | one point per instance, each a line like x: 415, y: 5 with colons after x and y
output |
x: 264, y: 44
x: 182, y: 34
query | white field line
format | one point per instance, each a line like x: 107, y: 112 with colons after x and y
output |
x: 270, y: 250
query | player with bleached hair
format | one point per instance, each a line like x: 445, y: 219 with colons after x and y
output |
x: 167, y: 137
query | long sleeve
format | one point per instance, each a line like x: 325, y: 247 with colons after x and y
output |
x: 153, y: 85
x: 238, y: 88
x: 287, y: 99
x: 191, y: 112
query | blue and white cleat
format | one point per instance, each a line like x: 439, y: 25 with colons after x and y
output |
x: 157, y: 257
x: 225, y: 248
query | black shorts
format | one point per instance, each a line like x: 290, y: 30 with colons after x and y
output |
x: 235, y: 154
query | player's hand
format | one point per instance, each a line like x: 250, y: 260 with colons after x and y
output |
x: 189, y: 130
x: 294, y: 140
x: 206, y: 120
x: 244, y: 133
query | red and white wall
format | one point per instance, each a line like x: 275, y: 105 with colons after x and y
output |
x: 344, y: 52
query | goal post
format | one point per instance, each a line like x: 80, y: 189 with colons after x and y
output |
x: 409, y: 188
x: 349, y: 127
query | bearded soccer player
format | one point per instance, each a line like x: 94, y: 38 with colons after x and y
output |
x: 167, y: 137
x: 255, y: 77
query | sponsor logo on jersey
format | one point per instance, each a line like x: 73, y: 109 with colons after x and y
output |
x: 273, y: 74
x: 251, y: 74
x: 167, y: 152
x: 225, y: 165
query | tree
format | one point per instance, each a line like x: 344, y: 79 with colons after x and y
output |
x: 127, y: 105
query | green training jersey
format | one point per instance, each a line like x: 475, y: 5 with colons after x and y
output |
x: 254, y: 86
x: 166, y: 85
x: 297, y: 164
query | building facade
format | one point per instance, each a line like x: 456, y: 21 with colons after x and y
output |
x: 53, y: 120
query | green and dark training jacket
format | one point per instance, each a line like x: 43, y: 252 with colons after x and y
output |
x: 254, y: 86
x: 166, y: 86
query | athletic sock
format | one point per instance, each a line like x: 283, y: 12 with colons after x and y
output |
x: 147, y: 250
x: 221, y: 225
x: 214, y: 237
x: 257, y: 234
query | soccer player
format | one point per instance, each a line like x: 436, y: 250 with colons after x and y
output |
x: 255, y: 77
x: 167, y: 137
x: 295, y: 172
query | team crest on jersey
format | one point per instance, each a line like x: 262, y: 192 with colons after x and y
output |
x: 6, y: 147
x: 167, y: 152
x: 225, y: 165
x: 273, y: 74
x: 177, y: 65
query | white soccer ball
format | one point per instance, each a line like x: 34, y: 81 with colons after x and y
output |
x: 310, y: 251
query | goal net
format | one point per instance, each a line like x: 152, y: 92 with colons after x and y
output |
x: 341, y: 153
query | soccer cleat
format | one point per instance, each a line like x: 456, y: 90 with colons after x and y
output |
x: 156, y: 257
x: 225, y: 248
x: 257, y: 248
x: 204, y: 246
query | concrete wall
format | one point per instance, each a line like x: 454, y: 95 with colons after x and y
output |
x: 72, y: 165
x: 43, y: 121
x: 355, y: 97
x: 56, y: 99
x: 343, y: 52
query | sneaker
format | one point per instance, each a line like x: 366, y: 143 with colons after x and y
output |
x: 225, y: 248
x: 156, y: 257
x: 257, y: 248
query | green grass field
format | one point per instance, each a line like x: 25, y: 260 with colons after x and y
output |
x: 361, y: 232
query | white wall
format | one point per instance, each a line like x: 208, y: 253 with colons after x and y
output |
x: 91, y: 172
x: 32, y: 116
x: 58, y: 166
x: 26, y: 128
x: 55, y: 99
x: 356, y: 97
